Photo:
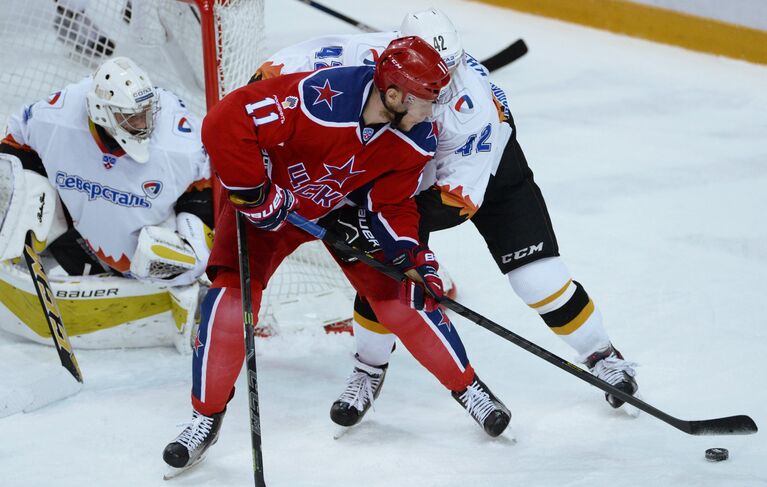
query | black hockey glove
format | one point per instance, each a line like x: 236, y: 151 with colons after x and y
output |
x: 353, y: 225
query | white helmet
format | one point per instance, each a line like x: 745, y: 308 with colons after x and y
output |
x: 124, y: 102
x: 435, y: 28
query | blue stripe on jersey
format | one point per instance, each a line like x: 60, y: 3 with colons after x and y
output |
x: 443, y: 324
x: 201, y: 340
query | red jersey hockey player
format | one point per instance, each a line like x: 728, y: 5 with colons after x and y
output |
x: 324, y: 135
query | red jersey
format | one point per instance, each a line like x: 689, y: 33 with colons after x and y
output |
x: 304, y: 131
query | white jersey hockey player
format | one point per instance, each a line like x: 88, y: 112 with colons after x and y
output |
x: 132, y: 179
x: 479, y: 173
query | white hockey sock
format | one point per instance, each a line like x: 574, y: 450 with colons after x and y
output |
x: 546, y: 286
x: 374, y: 344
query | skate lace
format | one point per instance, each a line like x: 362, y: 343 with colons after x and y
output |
x: 359, y: 390
x: 614, y: 370
x: 195, y: 431
x: 477, y: 402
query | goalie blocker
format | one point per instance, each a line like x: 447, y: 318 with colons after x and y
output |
x: 27, y: 202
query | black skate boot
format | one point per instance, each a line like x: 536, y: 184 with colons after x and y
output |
x: 486, y: 409
x: 362, y: 388
x: 609, y: 365
x: 190, y: 446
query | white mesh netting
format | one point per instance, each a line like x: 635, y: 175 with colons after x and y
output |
x: 48, y: 44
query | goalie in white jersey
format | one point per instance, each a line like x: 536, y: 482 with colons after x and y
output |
x: 131, y: 177
x: 479, y: 172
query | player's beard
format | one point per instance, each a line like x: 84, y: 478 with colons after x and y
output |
x: 394, y: 117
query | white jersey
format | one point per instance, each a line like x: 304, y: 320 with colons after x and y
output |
x: 472, y: 135
x: 109, y: 196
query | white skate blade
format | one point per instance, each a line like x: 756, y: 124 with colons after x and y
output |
x: 172, y: 472
x: 52, y: 388
x: 632, y: 411
x: 508, y: 436
x: 340, y: 431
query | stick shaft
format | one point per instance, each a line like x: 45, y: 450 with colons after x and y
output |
x: 250, y: 352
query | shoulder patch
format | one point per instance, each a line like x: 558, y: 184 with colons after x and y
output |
x: 182, y: 125
x: 464, y: 104
x: 334, y: 96
x: 54, y: 100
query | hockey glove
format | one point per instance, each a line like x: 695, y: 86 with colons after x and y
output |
x: 267, y: 206
x: 353, y: 225
x: 423, y: 290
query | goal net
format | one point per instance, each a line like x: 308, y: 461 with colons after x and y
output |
x: 199, y: 49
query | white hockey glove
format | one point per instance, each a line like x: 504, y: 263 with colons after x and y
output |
x: 27, y: 202
x: 172, y: 258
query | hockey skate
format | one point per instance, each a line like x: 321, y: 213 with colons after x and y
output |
x: 362, y: 388
x: 486, y: 409
x: 609, y: 365
x: 188, y: 449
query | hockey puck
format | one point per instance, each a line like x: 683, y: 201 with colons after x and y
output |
x: 717, y: 454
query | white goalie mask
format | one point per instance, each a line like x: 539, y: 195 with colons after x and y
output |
x: 434, y: 27
x: 124, y: 102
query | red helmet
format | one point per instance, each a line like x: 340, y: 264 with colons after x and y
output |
x: 412, y: 65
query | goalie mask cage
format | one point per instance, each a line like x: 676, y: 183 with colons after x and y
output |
x: 200, y: 50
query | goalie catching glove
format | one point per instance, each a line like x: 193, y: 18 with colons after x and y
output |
x: 266, y: 206
x: 423, y: 290
x: 172, y: 258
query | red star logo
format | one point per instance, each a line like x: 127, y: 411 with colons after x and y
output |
x: 433, y: 131
x: 197, y: 343
x: 443, y: 319
x: 339, y: 174
x: 326, y: 94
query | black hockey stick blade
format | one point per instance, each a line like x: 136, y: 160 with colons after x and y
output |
x: 731, y: 425
x: 50, y: 309
x: 734, y: 425
x: 516, y: 50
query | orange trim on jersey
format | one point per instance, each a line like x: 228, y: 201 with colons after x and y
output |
x: 122, y: 265
x: 455, y: 197
x: 269, y: 70
x: 501, y: 111
x: 199, y: 185
x: 12, y: 142
x: 119, y: 152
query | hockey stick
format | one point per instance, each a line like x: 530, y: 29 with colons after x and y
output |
x: 514, y: 51
x: 731, y: 425
x: 250, y: 352
x: 50, y: 309
x: 340, y: 16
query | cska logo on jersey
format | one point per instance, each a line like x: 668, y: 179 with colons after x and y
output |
x: 184, y: 126
x: 152, y: 188
x: 340, y: 174
x: 464, y: 104
x: 325, y: 94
